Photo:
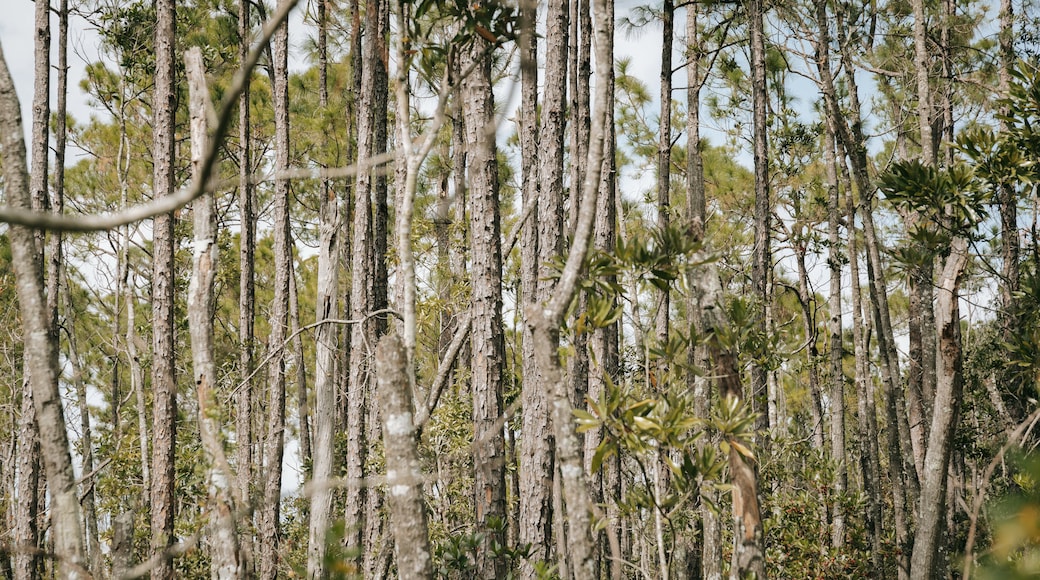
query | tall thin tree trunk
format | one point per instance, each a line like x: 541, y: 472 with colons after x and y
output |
x: 921, y: 315
x: 246, y: 300
x: 864, y: 386
x: 605, y: 350
x: 94, y: 555
x: 371, y: 114
x: 223, y: 536
x: 487, y: 333
x: 274, y: 446
x: 545, y: 319
x: 930, y: 525
x: 300, y: 366
x: 664, y: 163
x: 1007, y: 202
x: 837, y: 393
x: 325, y: 342
x: 164, y: 386
x: 763, y: 206
x: 696, y: 76
x: 40, y: 350
x: 26, y: 561
x: 536, y: 460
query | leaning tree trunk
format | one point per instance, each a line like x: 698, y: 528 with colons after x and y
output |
x: 40, y: 351
x: 870, y: 457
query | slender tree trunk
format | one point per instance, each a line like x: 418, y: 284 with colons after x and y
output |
x: 487, y: 333
x: 605, y: 350
x: 837, y: 394
x: 27, y: 563
x: 246, y: 301
x: 536, y: 460
x: 325, y: 344
x: 903, y: 475
x: 925, y: 558
x: 25, y: 560
x: 275, y: 441
x: 864, y: 388
x: 1007, y: 202
x: 696, y: 76
x: 404, y: 475
x: 40, y: 350
x: 809, y: 308
x: 164, y: 386
x: 545, y: 320
x: 763, y: 206
x: 59, y: 284
x: 300, y: 366
x: 371, y: 114
x: 664, y: 164
x: 921, y: 321
x: 222, y: 536
x: 94, y: 555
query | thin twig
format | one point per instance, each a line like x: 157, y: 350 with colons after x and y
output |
x: 274, y: 352
x: 976, y: 506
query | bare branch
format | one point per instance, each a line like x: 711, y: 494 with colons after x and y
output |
x: 169, y: 203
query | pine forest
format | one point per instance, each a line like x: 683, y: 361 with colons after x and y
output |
x: 490, y: 289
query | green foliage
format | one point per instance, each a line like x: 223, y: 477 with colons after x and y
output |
x: 1015, y: 552
x: 947, y: 201
x: 795, y: 519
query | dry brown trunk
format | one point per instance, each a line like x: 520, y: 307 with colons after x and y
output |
x: 246, y: 301
x: 274, y: 444
x: 164, y: 385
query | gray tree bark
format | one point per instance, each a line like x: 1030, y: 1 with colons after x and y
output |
x: 487, y: 332
x: 696, y: 77
x: 834, y: 260
x: 40, y: 350
x: 326, y: 344
x: 543, y: 178
x: 760, y: 264
x: 545, y: 319
x: 931, y: 512
x: 404, y: 477
x: 222, y: 533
